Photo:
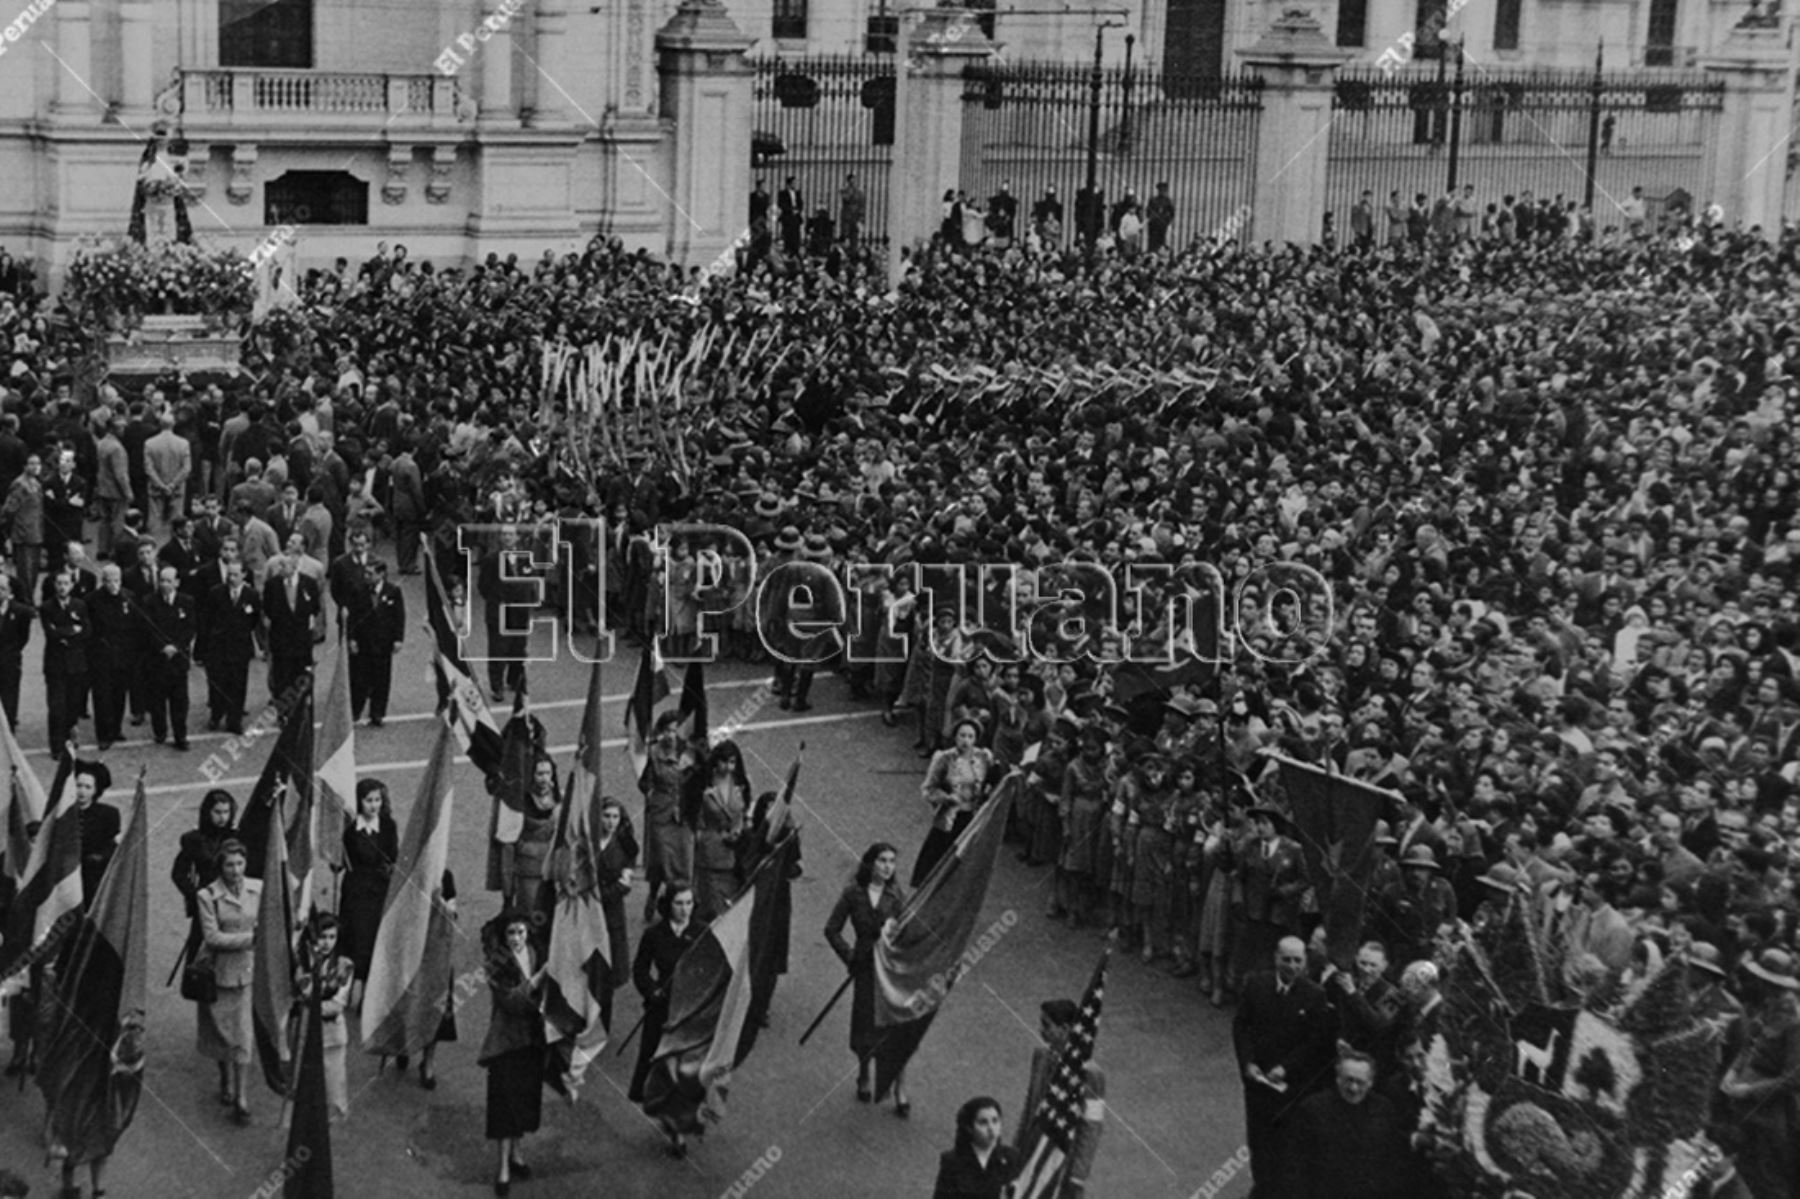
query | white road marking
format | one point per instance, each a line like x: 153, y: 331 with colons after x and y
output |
x: 421, y: 763
x: 501, y: 714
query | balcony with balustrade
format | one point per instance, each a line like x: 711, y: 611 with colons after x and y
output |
x: 268, y: 100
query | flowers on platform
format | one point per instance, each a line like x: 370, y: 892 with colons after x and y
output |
x: 1531, y: 1093
x: 118, y: 284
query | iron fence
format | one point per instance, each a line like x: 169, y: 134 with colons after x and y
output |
x: 1032, y: 126
x: 823, y: 120
x: 1427, y: 128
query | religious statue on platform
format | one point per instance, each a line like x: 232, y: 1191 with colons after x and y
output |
x: 159, y: 204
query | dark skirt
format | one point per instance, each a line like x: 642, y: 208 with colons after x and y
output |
x: 864, y: 1036
x: 359, y: 911
x: 515, y: 1093
x: 648, y: 1036
x: 938, y: 842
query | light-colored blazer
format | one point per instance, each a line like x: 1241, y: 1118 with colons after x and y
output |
x: 228, y: 925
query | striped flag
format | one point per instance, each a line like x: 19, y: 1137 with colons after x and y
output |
x: 1060, y: 1113
x: 272, y: 975
x: 95, y: 1017
x: 916, y: 967
x: 651, y: 689
x: 286, y: 775
x: 24, y: 802
x: 580, y: 965
x: 474, y: 723
x: 49, y: 897
x: 709, y: 1031
x: 410, y: 971
x: 335, y: 799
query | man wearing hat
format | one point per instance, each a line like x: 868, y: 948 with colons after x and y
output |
x: 1273, y: 877
x: 1410, y: 912
x: 1056, y: 1017
x: 793, y: 606
x: 1761, y: 1087
x: 1712, y: 1001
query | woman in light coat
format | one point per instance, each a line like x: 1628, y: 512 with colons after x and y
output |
x: 228, y: 935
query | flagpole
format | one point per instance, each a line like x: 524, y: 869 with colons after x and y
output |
x: 826, y: 1011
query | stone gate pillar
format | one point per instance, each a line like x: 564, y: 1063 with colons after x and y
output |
x: 706, y: 101
x: 928, y: 122
x: 1747, y: 149
x: 1298, y: 66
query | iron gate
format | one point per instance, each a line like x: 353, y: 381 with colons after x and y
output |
x: 1028, y: 125
x: 1425, y: 128
x: 824, y: 120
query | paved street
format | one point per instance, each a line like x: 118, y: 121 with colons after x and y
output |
x: 1173, y: 1107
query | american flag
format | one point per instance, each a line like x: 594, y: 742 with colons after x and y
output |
x: 1064, y: 1106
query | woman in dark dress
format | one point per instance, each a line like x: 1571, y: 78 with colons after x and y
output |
x: 371, y: 846
x: 513, y: 1051
x: 980, y: 1166
x: 870, y: 905
x: 196, y: 863
x: 659, y: 949
x: 617, y: 860
x: 721, y: 813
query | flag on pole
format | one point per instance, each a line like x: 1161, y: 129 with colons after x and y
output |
x: 410, y: 971
x: 288, y: 774
x: 335, y: 802
x: 651, y: 688
x: 24, y: 802
x: 709, y: 1032
x: 307, y: 1168
x: 1051, y: 1136
x: 91, y: 1057
x: 49, y: 897
x: 917, y: 966
x: 1334, y: 821
x: 475, y: 725
x: 581, y: 969
x: 509, y: 784
x: 693, y: 703
x: 272, y: 976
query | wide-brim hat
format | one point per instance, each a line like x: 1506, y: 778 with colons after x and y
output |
x: 1703, y: 955
x: 1775, y: 967
x: 1501, y: 877
x: 1420, y: 857
x: 1384, y: 833
x: 789, y: 541
x: 768, y: 504
x: 1184, y: 706
x: 815, y: 547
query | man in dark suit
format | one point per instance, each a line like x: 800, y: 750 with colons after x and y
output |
x: 791, y: 216
x: 1346, y: 1142
x: 284, y: 517
x: 213, y: 572
x: 1369, y: 1006
x: 140, y: 582
x: 295, y: 615
x: 117, y: 647
x: 1273, y: 876
x: 180, y: 552
x: 506, y: 584
x: 210, y: 531
x: 375, y: 634
x: 1283, y: 1036
x: 65, y: 502
x: 409, y: 510
x: 349, y: 579
x: 172, y: 626
x: 66, y: 635
x: 15, y: 634
x: 229, y: 635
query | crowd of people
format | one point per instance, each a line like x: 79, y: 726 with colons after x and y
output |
x: 1550, y: 486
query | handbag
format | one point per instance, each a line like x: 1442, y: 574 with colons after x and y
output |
x: 200, y: 981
